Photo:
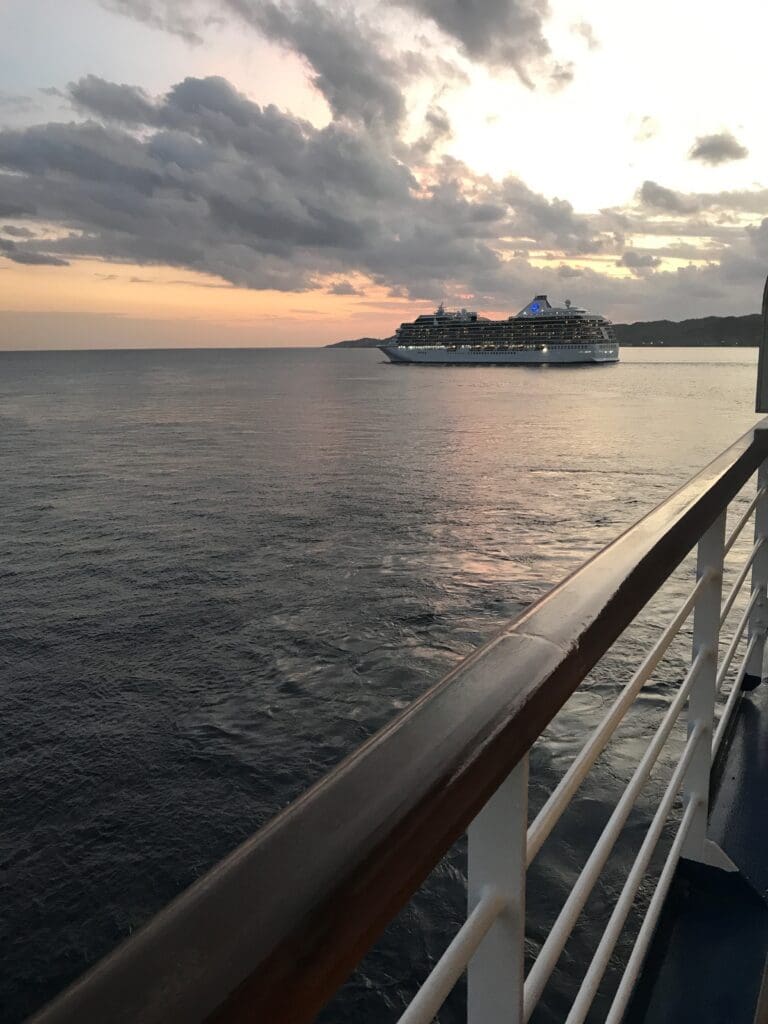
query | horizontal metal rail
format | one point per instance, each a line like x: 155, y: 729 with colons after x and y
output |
x: 563, y: 926
x: 743, y: 521
x: 644, y: 936
x: 733, y: 697
x: 272, y: 931
x: 739, y: 582
x: 605, y: 949
x: 561, y: 796
x: 451, y: 965
x: 736, y: 639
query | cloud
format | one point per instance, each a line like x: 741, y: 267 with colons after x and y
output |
x: 717, y: 149
x: 184, y: 18
x: 207, y: 180
x: 585, y: 30
x: 660, y: 198
x: 561, y: 75
x: 342, y: 47
x: 351, y: 63
x: 344, y: 288
x: 127, y: 103
x: 504, y: 34
x: 639, y: 262
x: 16, y: 232
x: 8, y: 209
x: 437, y: 120
x: 423, y: 63
x: 758, y: 237
x: 728, y: 205
x: 29, y: 257
x: 36, y: 259
x: 16, y: 103
x: 647, y: 129
x: 345, y: 53
x: 549, y: 223
x: 438, y: 130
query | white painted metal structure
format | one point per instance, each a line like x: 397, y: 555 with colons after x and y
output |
x: 761, y: 402
x: 542, y: 355
x: 502, y: 844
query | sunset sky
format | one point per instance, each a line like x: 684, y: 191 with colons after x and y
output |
x: 249, y: 172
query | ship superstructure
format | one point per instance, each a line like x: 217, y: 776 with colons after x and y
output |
x: 539, y: 333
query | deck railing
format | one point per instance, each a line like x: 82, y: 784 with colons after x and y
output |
x: 272, y: 931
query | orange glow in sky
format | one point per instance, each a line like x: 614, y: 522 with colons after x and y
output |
x: 111, y: 300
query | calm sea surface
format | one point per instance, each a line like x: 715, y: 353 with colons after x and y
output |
x: 221, y: 571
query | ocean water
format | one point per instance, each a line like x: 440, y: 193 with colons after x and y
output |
x: 221, y: 571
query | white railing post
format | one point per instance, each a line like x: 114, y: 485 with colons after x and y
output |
x: 758, y: 619
x: 701, y: 703
x: 496, y: 862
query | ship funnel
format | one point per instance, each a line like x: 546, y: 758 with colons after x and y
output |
x: 536, y: 305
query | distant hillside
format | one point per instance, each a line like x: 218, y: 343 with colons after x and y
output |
x: 704, y: 332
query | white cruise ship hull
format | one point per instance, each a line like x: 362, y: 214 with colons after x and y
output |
x: 436, y: 355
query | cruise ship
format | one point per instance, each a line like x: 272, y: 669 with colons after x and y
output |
x: 540, y: 333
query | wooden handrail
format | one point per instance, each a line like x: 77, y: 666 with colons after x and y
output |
x: 271, y: 932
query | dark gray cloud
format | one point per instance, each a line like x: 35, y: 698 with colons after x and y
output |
x: 424, y: 63
x: 30, y: 257
x: 437, y: 121
x: 639, y: 261
x: 717, y: 149
x: 345, y: 53
x: 344, y: 288
x: 8, y: 209
x: 504, y: 34
x: 437, y: 130
x: 342, y: 48
x: 550, y: 223
x: 16, y: 232
x: 127, y: 103
x: 351, y: 63
x: 185, y: 18
x: 728, y: 205
x: 666, y: 199
x: 204, y: 179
